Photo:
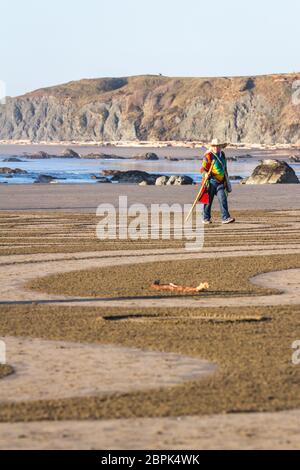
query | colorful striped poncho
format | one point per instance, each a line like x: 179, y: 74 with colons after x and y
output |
x: 218, y: 171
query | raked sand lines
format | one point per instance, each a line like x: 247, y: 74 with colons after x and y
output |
x: 108, y: 369
x: 46, y: 370
x: 17, y: 270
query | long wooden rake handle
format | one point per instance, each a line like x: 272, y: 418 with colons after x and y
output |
x: 200, y: 192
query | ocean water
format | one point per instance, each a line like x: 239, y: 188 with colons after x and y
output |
x: 81, y: 170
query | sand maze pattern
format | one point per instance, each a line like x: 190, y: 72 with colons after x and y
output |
x: 30, y: 383
x: 76, y: 232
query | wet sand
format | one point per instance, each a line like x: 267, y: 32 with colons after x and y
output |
x: 87, y: 198
x: 235, y: 430
x: 243, y: 431
x: 41, y: 367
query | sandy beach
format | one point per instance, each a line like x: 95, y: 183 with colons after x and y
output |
x: 65, y: 293
x: 149, y: 231
x: 87, y: 198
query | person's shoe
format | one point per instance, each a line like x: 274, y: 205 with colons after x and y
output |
x: 206, y: 222
x: 230, y: 220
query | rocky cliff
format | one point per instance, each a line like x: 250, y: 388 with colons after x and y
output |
x: 240, y: 109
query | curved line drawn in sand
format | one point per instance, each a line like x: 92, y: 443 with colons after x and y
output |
x: 262, y: 431
x: 108, y: 369
x: 14, y: 277
x: 244, y: 431
x: 47, y: 370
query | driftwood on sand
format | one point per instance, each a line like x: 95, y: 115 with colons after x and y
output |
x: 177, y: 288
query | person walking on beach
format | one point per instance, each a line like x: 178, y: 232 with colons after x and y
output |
x: 214, y: 165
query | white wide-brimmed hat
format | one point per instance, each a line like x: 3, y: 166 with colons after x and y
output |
x: 217, y: 143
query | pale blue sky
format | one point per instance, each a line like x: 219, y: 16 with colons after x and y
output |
x: 46, y: 42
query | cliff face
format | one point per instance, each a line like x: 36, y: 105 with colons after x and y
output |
x: 255, y: 110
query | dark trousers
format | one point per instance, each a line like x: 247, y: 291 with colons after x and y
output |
x: 218, y: 189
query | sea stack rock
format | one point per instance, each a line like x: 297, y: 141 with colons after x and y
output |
x: 132, y: 176
x: 12, y: 160
x: 12, y: 171
x: 44, y: 179
x: 69, y: 153
x: 41, y: 155
x: 174, y: 180
x: 150, y: 156
x: 273, y: 172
